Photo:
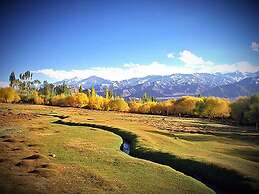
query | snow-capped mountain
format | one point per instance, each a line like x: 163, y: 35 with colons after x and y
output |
x: 70, y: 82
x: 245, y: 87
x: 174, y: 85
x: 85, y: 83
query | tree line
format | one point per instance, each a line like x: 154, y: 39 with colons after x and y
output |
x: 244, y: 110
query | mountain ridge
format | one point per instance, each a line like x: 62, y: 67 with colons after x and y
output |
x: 171, y: 86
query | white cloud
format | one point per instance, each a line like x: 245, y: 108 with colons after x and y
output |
x: 127, y: 71
x: 3, y: 84
x: 191, y: 64
x: 138, y: 70
x: 242, y: 66
x: 189, y: 58
x: 170, y: 55
x: 199, y: 65
x: 255, y: 46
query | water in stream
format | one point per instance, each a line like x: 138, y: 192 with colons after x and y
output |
x: 125, y: 147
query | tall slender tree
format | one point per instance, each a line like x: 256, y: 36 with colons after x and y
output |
x: 12, y: 79
x: 93, y: 92
x: 80, y: 89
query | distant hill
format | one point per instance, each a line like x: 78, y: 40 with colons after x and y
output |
x: 228, y: 85
x: 245, y: 87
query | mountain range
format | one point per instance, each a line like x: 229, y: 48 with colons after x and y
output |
x: 229, y: 85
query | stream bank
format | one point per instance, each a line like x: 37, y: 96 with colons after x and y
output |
x: 220, y: 179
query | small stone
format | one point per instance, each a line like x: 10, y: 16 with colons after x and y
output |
x: 52, y: 155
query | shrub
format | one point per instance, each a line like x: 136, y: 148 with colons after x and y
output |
x: 105, y: 104
x: 69, y: 101
x: 186, y: 105
x: 76, y: 100
x: 134, y: 106
x: 163, y: 108
x: 167, y: 107
x: 81, y: 99
x: 38, y: 100
x: 146, y: 107
x: 238, y: 109
x: 58, y: 100
x: 35, y: 98
x: 216, y: 107
x: 118, y: 104
x: 155, y: 109
x: 245, y: 110
x: 9, y: 95
x: 95, y: 102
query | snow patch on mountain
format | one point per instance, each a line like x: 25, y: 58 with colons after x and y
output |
x: 174, y: 85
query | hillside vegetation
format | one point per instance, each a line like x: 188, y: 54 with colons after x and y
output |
x: 244, y: 110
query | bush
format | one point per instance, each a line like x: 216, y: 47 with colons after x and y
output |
x: 95, y: 102
x: 146, y: 107
x: 186, y: 105
x: 156, y: 109
x: 38, y: 100
x: 77, y: 100
x: 35, y: 98
x: 163, y: 108
x: 58, y: 100
x: 118, y: 104
x: 105, y: 104
x: 9, y: 95
x: 252, y: 115
x: 238, y: 109
x: 216, y: 107
x: 134, y: 106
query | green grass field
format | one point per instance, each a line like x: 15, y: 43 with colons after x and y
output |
x: 186, y: 152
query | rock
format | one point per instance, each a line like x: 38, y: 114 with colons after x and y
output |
x: 52, y: 155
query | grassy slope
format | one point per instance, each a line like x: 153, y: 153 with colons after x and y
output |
x: 224, y: 150
x: 88, y: 160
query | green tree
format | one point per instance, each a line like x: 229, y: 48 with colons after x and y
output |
x: 62, y: 89
x: 12, y: 79
x: 93, y: 92
x: 80, y: 89
x: 252, y: 114
x: 238, y: 109
x: 47, y: 91
x: 147, y: 98
x: 27, y: 86
x: 88, y: 93
x: 108, y: 93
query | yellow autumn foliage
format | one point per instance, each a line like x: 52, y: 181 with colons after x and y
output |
x: 216, y: 107
x: 118, y: 104
x: 9, y: 95
x: 134, y: 106
x: 186, y: 105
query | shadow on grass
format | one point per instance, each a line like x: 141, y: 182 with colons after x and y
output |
x: 53, y: 115
x: 220, y: 179
x: 250, y: 137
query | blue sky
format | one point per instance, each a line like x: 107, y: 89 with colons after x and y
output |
x: 122, y: 39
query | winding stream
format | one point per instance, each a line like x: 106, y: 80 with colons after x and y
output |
x: 198, y: 170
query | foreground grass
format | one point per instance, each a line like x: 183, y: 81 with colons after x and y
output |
x: 38, y: 155
x: 217, y: 154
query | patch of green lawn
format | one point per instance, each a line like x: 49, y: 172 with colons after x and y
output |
x: 221, y: 155
x: 99, y: 150
x: 87, y: 160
